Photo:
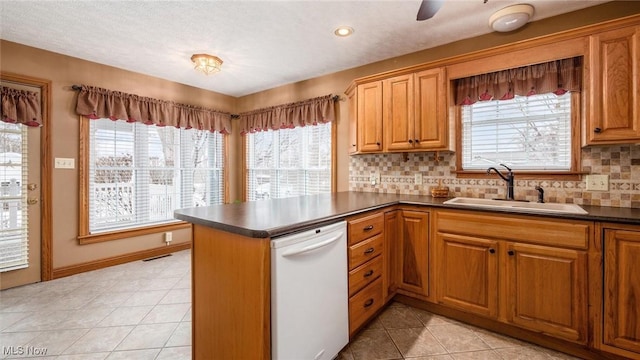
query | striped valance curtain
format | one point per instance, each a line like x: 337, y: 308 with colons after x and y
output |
x: 307, y: 112
x: 98, y: 103
x: 558, y: 76
x: 20, y: 107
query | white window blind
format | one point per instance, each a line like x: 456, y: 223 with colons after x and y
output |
x: 139, y: 174
x: 14, y: 244
x: 289, y: 162
x: 526, y: 133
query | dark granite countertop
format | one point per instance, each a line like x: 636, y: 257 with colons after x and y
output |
x: 276, y: 217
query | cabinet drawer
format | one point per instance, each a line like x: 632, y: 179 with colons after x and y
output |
x: 364, y: 250
x: 365, y: 227
x: 573, y: 234
x: 364, y: 304
x: 364, y: 274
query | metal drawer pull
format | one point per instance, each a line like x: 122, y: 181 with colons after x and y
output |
x: 368, y: 273
x: 368, y: 228
x: 369, y: 250
x: 368, y: 303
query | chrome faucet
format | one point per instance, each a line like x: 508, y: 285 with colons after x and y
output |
x: 508, y: 179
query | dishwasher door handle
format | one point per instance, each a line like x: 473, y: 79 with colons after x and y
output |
x: 313, y: 247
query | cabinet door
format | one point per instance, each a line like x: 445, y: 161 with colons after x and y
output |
x: 467, y: 273
x: 369, y: 100
x: 353, y: 122
x: 431, y: 125
x: 547, y: 290
x: 614, y: 101
x: 391, y: 254
x: 414, y: 252
x: 622, y: 289
x: 398, y: 113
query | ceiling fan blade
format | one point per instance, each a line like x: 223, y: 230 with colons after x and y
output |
x: 428, y: 8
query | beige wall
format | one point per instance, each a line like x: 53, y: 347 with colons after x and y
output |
x: 65, y: 71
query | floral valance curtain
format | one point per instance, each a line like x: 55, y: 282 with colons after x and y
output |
x: 98, y: 103
x: 557, y: 76
x: 308, y: 112
x: 20, y: 107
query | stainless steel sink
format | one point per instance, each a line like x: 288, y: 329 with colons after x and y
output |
x: 517, y: 205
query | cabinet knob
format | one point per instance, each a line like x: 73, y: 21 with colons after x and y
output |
x: 597, y: 130
x: 410, y: 141
x: 511, y: 252
x: 369, y: 250
x: 378, y: 143
x: 417, y: 141
x: 368, y: 303
x: 492, y: 251
x: 368, y: 273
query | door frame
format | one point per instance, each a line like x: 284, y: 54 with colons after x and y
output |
x: 46, y: 250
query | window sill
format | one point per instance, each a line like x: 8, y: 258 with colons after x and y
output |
x: 525, y: 175
x: 128, y: 233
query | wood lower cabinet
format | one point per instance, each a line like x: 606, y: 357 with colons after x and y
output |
x: 366, y: 254
x: 547, y: 290
x: 467, y: 271
x: 414, y: 252
x: 622, y: 290
x: 523, y: 270
x: 614, y: 111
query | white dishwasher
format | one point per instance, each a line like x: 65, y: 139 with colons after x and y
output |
x: 309, y: 294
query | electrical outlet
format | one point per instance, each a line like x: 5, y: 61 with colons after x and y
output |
x: 418, y: 179
x: 597, y: 182
x: 168, y: 237
x: 374, y: 178
x: 64, y: 163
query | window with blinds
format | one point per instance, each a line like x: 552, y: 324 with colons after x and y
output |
x: 527, y: 133
x: 139, y: 174
x: 288, y: 162
x: 14, y: 244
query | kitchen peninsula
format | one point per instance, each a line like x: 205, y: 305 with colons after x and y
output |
x: 231, y: 267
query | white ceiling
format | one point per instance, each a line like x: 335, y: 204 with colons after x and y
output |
x: 263, y: 44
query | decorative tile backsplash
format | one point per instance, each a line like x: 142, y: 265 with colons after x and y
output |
x: 620, y: 162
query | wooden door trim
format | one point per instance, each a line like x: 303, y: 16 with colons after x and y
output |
x: 46, y: 258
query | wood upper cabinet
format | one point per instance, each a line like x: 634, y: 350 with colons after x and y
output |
x: 353, y: 122
x: 431, y: 124
x: 547, y: 290
x: 467, y: 273
x: 369, y: 117
x: 414, y: 252
x: 622, y: 289
x: 415, y: 111
x: 614, y: 110
x: 398, y: 113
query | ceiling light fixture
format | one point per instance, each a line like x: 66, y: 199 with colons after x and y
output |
x: 511, y: 17
x: 208, y: 64
x: 343, y: 31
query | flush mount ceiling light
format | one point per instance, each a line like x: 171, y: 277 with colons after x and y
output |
x: 208, y: 64
x: 343, y: 31
x: 511, y: 17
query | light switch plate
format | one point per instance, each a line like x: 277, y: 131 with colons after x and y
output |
x: 65, y: 163
x: 597, y: 182
x: 418, y: 179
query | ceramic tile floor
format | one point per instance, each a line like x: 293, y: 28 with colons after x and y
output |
x: 142, y: 310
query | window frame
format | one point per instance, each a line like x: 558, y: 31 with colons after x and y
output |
x: 574, y: 173
x: 85, y: 236
x: 334, y: 157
